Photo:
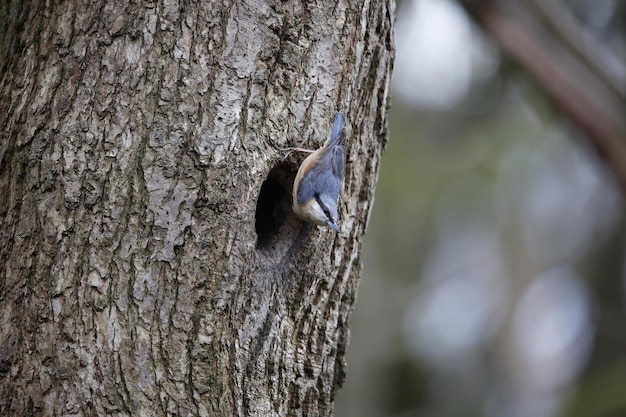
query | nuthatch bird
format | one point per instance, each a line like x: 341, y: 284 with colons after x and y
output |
x: 318, y: 182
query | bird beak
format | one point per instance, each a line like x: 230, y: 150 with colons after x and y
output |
x: 333, y: 225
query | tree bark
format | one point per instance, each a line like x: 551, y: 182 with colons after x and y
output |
x: 149, y: 261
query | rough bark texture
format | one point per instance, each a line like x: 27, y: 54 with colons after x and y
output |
x: 138, y: 274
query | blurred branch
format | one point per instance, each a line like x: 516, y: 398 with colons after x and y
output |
x: 576, y: 38
x: 598, y: 114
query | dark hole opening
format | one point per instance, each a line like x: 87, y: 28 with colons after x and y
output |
x: 273, y: 208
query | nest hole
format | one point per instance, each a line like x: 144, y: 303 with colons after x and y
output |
x: 275, y: 221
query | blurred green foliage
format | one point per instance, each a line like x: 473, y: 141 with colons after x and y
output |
x: 505, y: 164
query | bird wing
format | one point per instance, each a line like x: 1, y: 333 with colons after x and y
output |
x: 325, y: 176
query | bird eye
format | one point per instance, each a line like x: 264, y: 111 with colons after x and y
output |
x: 323, y: 207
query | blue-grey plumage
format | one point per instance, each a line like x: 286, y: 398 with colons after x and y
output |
x: 318, y: 181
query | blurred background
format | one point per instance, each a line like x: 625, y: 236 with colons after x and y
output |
x: 494, y: 276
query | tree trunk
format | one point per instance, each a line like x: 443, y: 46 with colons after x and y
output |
x: 149, y: 261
